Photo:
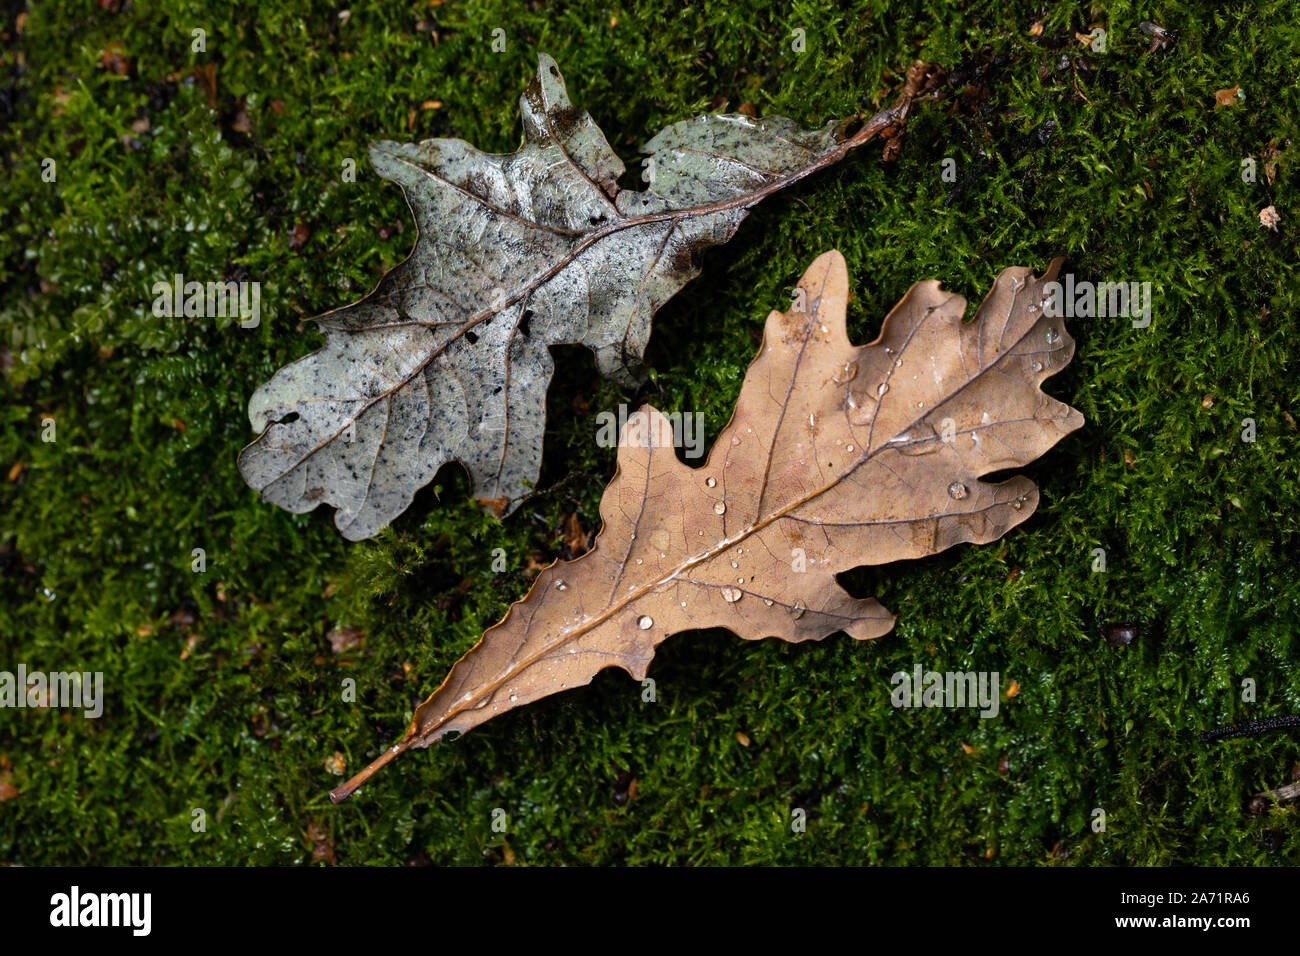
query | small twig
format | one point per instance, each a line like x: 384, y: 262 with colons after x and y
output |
x: 1251, y: 728
x: 339, y: 794
x: 1074, y: 71
x: 1288, y: 792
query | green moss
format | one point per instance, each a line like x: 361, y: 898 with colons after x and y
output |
x: 237, y: 712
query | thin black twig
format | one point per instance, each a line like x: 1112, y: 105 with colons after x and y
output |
x: 1251, y: 728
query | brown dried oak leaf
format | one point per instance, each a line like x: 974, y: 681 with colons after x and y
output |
x: 836, y: 456
x: 447, y: 359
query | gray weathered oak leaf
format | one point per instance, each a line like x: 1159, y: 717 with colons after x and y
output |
x: 447, y: 359
x: 836, y: 456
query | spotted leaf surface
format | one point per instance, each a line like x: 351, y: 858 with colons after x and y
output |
x: 447, y: 359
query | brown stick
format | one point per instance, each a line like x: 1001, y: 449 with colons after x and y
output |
x: 339, y: 794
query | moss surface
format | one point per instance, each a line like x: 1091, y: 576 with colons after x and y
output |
x: 222, y: 691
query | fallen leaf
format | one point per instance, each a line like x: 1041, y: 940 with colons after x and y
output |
x: 114, y: 60
x: 241, y: 122
x: 1271, y: 156
x: 497, y: 506
x: 7, y: 790
x: 206, y: 74
x: 1160, y: 37
x: 1013, y: 690
x: 341, y: 638
x: 448, y: 358
x: 575, y: 539
x: 836, y: 456
x: 182, y: 617
x: 624, y: 787
x: 299, y: 235
x: 1226, y: 97
x: 322, y: 848
x: 1121, y: 634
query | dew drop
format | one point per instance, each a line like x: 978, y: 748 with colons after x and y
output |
x: 719, y: 508
x: 1036, y: 366
x: 711, y: 482
x: 796, y: 611
x: 957, y: 490
x: 1018, y: 503
x: 731, y: 595
x: 638, y: 561
x: 768, y: 601
x: 884, y: 387
x: 861, y: 407
x: 513, y: 698
x: 734, y: 564
x: 845, y: 374
x: 560, y: 585
x: 644, y: 622
x: 1051, y: 336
